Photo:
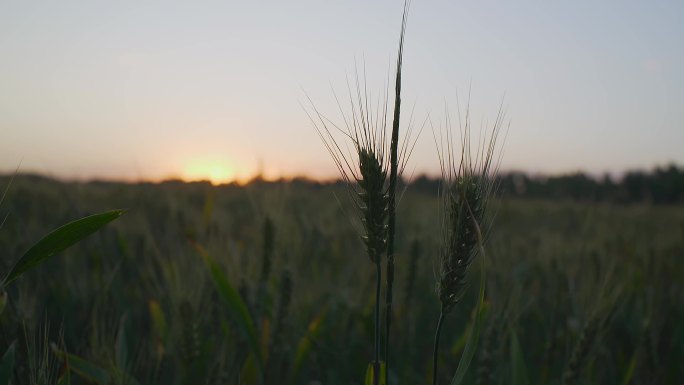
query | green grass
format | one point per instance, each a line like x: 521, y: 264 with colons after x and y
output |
x: 552, y: 269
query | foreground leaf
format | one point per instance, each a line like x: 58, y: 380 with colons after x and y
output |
x: 59, y: 240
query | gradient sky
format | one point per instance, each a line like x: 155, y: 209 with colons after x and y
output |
x: 158, y: 89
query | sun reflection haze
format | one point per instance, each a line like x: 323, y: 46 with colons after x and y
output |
x: 214, y: 171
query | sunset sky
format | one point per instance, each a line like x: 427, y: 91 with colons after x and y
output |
x: 149, y: 90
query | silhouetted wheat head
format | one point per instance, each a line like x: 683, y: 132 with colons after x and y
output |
x: 366, y: 151
x: 360, y: 148
x: 468, y: 185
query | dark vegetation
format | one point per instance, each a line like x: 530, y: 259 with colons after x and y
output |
x: 662, y: 185
x: 579, y: 289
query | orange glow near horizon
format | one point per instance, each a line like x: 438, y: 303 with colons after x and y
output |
x: 216, y: 172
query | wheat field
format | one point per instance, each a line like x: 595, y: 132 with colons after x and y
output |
x: 576, y: 292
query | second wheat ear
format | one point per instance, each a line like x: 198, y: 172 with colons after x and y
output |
x: 469, y: 181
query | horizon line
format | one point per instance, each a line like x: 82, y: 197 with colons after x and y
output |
x: 283, y: 178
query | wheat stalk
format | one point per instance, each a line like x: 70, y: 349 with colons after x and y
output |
x: 366, y: 175
x: 468, y: 184
x: 372, y: 190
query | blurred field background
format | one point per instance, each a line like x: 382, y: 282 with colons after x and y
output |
x: 567, y: 272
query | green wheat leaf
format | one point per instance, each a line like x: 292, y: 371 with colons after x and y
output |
x: 59, y: 240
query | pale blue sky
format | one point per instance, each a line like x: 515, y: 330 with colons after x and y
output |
x: 157, y: 89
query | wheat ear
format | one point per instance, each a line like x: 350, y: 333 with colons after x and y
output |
x: 467, y: 186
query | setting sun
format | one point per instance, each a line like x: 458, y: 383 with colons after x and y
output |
x: 216, y: 172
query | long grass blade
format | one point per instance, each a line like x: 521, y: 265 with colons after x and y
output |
x: 236, y: 307
x: 59, y: 240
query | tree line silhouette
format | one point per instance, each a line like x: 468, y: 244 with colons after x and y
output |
x: 662, y: 185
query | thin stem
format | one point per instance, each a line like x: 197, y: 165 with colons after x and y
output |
x: 388, y: 311
x: 436, y: 348
x: 378, y: 285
